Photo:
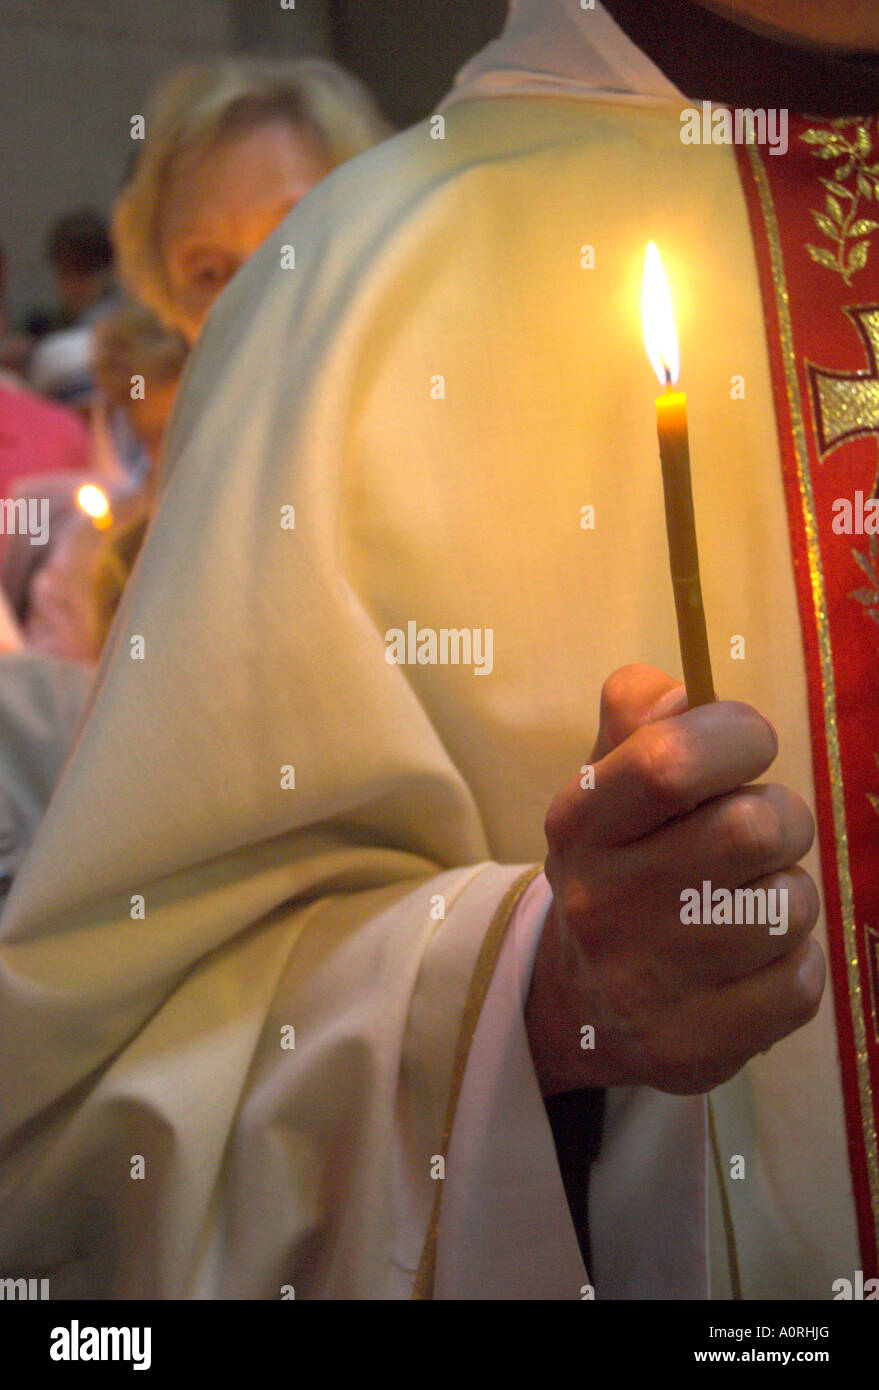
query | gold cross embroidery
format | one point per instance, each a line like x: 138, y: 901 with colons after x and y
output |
x: 846, y: 404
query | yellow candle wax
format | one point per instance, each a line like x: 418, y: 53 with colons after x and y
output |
x: 660, y: 339
x: 680, y: 525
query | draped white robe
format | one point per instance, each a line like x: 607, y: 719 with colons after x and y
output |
x: 438, y: 388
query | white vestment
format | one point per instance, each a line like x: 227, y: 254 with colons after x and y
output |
x: 268, y: 826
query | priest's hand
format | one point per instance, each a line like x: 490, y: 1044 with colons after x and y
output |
x: 627, y: 988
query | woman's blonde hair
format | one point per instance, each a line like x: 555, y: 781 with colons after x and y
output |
x: 198, y: 107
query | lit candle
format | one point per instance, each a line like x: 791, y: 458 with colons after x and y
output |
x: 93, y: 502
x: 661, y: 341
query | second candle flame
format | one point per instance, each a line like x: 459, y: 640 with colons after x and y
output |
x: 93, y: 501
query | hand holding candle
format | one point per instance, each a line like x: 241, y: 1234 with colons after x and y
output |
x: 660, y: 339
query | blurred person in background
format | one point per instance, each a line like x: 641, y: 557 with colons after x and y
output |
x: 69, y: 601
x: 81, y: 256
x: 82, y: 260
x: 80, y: 253
x: 36, y: 437
x: 232, y: 146
x: 14, y: 347
x: 137, y: 366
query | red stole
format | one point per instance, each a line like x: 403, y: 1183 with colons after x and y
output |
x: 815, y: 218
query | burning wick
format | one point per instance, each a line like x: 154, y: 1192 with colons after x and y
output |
x: 93, y: 502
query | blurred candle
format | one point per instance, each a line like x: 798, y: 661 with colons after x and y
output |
x: 661, y: 341
x: 93, y: 501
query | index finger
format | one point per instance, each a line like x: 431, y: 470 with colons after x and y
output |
x: 667, y: 769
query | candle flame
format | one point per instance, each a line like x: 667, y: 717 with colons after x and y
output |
x: 658, y: 320
x: 93, y: 502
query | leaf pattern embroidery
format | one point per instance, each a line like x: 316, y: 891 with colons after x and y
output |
x: 855, y: 182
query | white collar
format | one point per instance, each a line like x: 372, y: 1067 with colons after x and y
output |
x: 556, y: 48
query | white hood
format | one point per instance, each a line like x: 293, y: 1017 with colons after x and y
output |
x: 555, y: 48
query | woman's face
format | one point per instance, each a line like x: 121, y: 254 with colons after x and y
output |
x: 220, y: 207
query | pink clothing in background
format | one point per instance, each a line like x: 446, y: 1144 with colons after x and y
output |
x: 38, y: 436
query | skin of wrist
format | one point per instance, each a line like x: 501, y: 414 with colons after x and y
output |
x: 552, y: 1018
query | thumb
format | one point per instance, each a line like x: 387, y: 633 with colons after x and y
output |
x: 632, y: 696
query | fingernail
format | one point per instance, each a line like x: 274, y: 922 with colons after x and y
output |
x: 674, y: 701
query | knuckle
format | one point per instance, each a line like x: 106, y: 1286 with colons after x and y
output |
x: 577, y: 907
x: 796, y: 822
x: 588, y: 928
x: 558, y: 822
x: 615, y: 714
x: 811, y: 828
x: 662, y: 765
x: 554, y: 872
x: 616, y: 687
x: 804, y: 822
x: 803, y: 901
x: 804, y: 1007
x: 758, y: 731
x: 808, y: 986
x: 811, y: 898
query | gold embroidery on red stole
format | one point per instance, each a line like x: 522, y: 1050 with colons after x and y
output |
x: 816, y: 576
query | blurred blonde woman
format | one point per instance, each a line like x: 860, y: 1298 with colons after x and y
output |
x: 231, y: 147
